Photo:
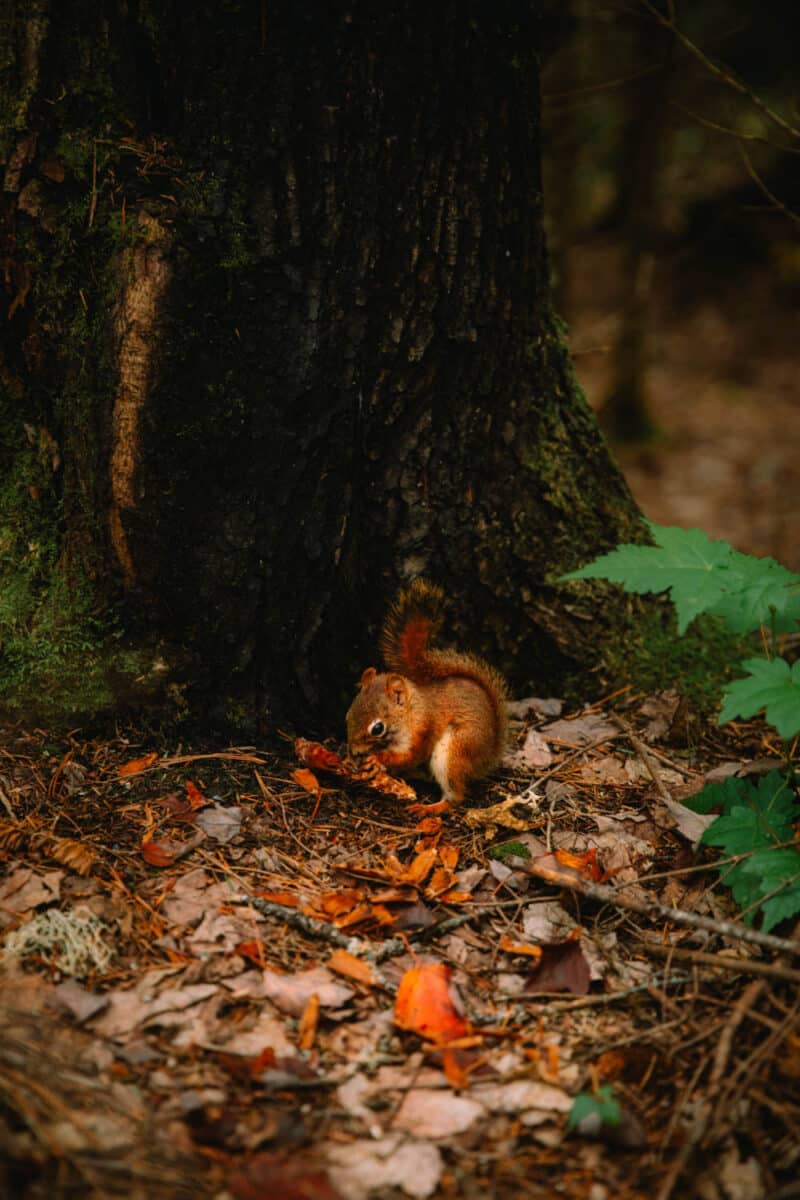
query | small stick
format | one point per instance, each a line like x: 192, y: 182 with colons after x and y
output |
x: 652, y: 908
x: 746, y: 966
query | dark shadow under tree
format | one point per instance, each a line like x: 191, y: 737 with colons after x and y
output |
x: 278, y: 336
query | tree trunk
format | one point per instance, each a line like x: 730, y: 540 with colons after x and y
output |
x: 279, y: 336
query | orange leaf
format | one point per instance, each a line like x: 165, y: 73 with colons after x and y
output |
x: 430, y: 825
x: 284, y: 898
x: 336, y: 904
x: 307, y: 1026
x: 425, y: 1004
x: 160, y: 854
x: 456, y: 897
x: 137, y: 764
x: 585, y: 864
x: 253, y: 950
x: 307, y: 780
x: 194, y: 795
x: 344, y: 963
x: 440, y: 881
x: 449, y: 856
x: 166, y: 852
x: 520, y: 947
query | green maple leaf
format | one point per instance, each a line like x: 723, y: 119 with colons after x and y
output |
x: 771, y: 685
x: 786, y: 904
x: 702, y: 575
x: 758, y: 591
x: 754, y: 822
x: 684, y: 562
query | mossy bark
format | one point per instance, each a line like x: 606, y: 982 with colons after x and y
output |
x: 280, y: 336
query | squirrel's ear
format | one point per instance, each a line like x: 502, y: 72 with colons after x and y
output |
x: 368, y: 676
x: 396, y: 688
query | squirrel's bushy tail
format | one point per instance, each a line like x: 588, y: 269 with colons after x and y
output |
x: 411, y: 624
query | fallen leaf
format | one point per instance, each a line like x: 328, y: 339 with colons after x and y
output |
x: 534, y: 752
x: 307, y: 780
x: 691, y: 824
x: 425, y: 1004
x: 136, y: 765
x: 344, y: 963
x: 519, y: 948
x: 194, y: 796
x: 25, y: 889
x: 288, y: 899
x: 499, y: 814
x: 252, y: 950
x: 307, y: 1027
x: 79, y: 857
x: 278, y: 1177
x: 362, y: 1167
x: 580, y: 731
x: 435, y: 1113
x: 335, y: 904
x: 221, y: 824
x: 165, y: 852
x: 585, y: 864
x: 560, y: 969
x: 291, y: 993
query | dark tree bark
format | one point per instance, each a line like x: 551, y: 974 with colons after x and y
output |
x: 279, y: 336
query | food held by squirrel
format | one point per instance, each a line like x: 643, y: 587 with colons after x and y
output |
x: 432, y: 707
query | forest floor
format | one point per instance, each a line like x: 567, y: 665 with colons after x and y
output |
x: 227, y: 975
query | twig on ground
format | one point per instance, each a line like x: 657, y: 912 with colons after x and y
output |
x: 745, y: 966
x: 565, y: 877
x: 645, y: 756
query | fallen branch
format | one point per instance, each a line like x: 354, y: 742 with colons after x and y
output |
x: 564, y: 877
x: 742, y: 966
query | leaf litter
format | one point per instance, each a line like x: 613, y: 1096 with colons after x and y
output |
x: 299, y: 989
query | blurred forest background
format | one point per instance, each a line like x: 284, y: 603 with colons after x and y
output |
x: 673, y: 198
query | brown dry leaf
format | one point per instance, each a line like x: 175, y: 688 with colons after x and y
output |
x: 177, y: 806
x: 433, y: 1113
x: 580, y: 731
x: 165, y: 852
x: 278, y: 1177
x: 13, y: 836
x: 425, y: 1004
x: 520, y: 947
x: 534, y: 752
x: 291, y: 993
x: 307, y: 1026
x: 78, y: 857
x: 456, y: 897
x: 497, y: 814
x: 344, y: 963
x: 136, y: 765
x: 369, y: 1165
x: 25, y: 889
x: 561, y: 968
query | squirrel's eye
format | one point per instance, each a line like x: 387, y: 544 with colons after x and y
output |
x: 377, y: 728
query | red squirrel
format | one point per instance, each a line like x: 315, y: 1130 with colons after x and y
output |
x: 436, y: 708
